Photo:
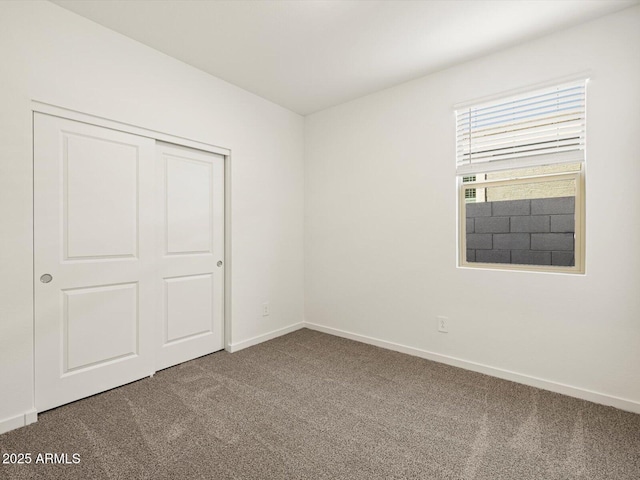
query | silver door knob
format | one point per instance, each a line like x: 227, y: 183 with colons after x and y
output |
x: 219, y: 263
x: 46, y: 278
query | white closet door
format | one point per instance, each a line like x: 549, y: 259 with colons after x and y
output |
x: 95, y: 289
x: 191, y: 242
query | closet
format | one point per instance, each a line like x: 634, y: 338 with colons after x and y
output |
x: 128, y: 257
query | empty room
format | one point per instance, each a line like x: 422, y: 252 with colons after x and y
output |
x: 320, y: 239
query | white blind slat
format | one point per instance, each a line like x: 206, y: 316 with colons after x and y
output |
x: 523, y: 161
x: 516, y: 124
x: 519, y: 142
x: 522, y: 116
x: 554, y: 105
x: 526, y: 150
x: 522, y: 135
x: 526, y: 98
x: 576, y: 94
x: 548, y: 124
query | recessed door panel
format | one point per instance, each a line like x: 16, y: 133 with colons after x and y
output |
x: 100, y: 325
x: 100, y: 197
x: 189, y: 205
x: 189, y: 307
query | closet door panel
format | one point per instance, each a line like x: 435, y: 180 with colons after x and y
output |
x: 191, y: 225
x: 94, y: 249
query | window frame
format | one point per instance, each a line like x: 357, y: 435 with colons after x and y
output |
x: 579, y: 218
x: 468, y: 168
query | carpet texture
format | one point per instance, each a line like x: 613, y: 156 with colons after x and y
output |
x: 313, y: 406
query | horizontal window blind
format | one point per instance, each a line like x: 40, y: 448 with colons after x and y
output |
x: 537, y: 128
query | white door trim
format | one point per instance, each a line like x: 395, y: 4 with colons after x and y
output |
x: 69, y: 114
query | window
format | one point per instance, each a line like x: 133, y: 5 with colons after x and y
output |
x: 469, y: 193
x: 520, y: 166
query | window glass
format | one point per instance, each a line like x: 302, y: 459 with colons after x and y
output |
x: 524, y: 222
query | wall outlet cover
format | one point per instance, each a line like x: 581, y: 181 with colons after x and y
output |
x: 443, y: 324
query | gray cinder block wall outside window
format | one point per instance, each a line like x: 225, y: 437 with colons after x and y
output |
x: 530, y: 232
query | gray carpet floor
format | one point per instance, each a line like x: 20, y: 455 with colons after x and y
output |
x: 313, y: 406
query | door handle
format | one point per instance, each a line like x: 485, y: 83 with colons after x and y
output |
x: 46, y: 278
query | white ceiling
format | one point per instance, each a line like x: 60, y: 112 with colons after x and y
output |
x: 307, y: 55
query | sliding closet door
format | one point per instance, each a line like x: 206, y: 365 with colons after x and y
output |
x: 95, y: 291
x: 191, y: 253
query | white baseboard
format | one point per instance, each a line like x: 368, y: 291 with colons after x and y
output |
x: 596, y: 397
x: 18, y: 421
x: 31, y: 417
x: 235, y: 347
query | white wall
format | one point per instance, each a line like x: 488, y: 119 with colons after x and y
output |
x: 52, y: 55
x: 376, y: 168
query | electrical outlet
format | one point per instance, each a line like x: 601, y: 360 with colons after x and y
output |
x: 443, y: 324
x: 265, y: 310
